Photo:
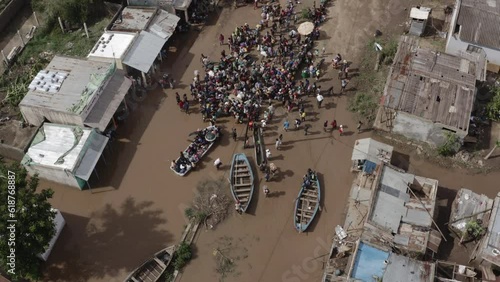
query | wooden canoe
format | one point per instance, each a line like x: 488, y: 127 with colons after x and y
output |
x: 153, y: 268
x: 307, y: 204
x: 259, y: 147
x: 242, y: 185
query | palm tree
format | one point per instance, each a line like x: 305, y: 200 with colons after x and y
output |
x: 497, y: 144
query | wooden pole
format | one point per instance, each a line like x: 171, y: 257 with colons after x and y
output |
x: 469, y: 216
x: 22, y: 40
x: 36, y: 19
x: 86, y: 30
x: 435, y: 224
x: 61, y: 24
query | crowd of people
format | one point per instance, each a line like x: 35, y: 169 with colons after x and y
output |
x: 238, y: 84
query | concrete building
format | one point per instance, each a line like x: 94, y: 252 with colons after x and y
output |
x: 487, y: 253
x: 428, y: 93
x: 401, y: 212
x: 64, y: 154
x: 112, y: 47
x: 139, y: 33
x: 75, y: 92
x: 167, y: 5
x: 475, y: 29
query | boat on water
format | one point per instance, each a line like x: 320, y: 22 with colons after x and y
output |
x: 259, y: 148
x: 241, y: 177
x: 152, y: 269
x: 307, y: 203
x: 204, y: 139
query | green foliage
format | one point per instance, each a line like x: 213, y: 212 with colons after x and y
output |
x: 182, y: 256
x: 76, y: 12
x: 493, y: 107
x: 364, y: 105
x: 35, y: 222
x: 389, y: 51
x: 450, y: 146
x: 37, y: 55
x: 197, y: 216
x: 474, y: 229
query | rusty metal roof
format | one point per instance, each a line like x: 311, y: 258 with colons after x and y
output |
x: 435, y: 86
x: 480, y: 22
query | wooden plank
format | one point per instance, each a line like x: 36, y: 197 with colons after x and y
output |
x: 242, y: 190
x: 242, y: 184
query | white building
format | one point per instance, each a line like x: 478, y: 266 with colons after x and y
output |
x: 75, y: 92
x: 64, y: 154
x: 475, y: 29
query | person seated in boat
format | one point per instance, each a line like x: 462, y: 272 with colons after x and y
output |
x: 173, y: 164
x: 182, y: 168
x: 263, y: 167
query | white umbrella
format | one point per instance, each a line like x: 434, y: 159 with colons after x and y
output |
x: 306, y: 28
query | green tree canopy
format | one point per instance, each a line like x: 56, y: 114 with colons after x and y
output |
x: 34, y: 226
x: 493, y: 107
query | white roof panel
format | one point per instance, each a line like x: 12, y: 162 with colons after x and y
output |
x: 420, y: 14
x: 144, y: 51
x: 112, y: 45
x: 58, y: 141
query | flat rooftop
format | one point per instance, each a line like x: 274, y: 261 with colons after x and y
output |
x: 491, y: 251
x: 54, y: 146
x: 77, y: 75
x: 112, y: 45
x: 133, y: 19
x: 431, y: 85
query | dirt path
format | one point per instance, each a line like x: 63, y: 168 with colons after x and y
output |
x: 110, y: 231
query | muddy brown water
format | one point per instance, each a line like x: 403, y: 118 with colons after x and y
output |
x: 137, y: 206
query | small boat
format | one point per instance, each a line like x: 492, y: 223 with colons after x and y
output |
x: 241, y: 181
x: 153, y: 268
x: 260, y: 150
x: 204, y: 140
x: 307, y: 203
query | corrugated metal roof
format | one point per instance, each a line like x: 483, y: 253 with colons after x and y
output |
x: 467, y: 203
x: 109, y: 101
x: 163, y: 24
x: 491, y: 252
x: 134, y: 19
x: 480, y: 22
x: 95, y: 147
x: 57, y: 141
x: 144, y: 51
x: 70, y: 92
x: 434, y: 86
x: 401, y: 268
x: 371, y: 150
x: 417, y: 217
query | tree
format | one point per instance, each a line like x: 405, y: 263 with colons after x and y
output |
x: 497, y: 144
x: 493, y: 107
x: 183, y: 255
x: 34, y: 226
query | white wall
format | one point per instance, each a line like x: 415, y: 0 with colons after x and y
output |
x: 35, y: 116
x: 455, y: 46
x: 55, y: 175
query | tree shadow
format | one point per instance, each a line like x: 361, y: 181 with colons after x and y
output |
x: 107, y: 243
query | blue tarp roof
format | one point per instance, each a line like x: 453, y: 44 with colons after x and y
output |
x: 369, y: 262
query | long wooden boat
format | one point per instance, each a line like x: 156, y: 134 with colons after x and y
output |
x: 307, y: 203
x: 242, y: 184
x: 152, y: 269
x: 259, y: 148
x: 204, y: 140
